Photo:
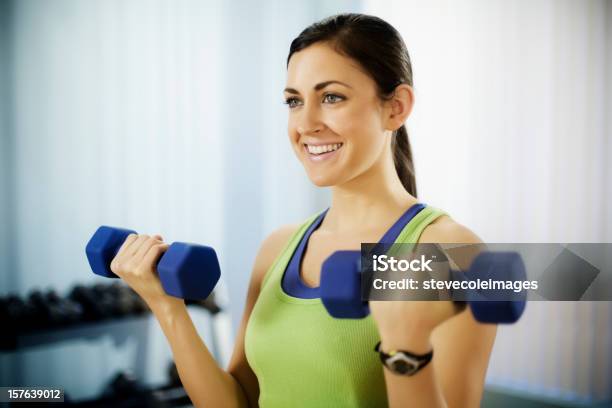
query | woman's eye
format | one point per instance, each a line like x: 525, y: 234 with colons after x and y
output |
x: 291, y: 102
x: 336, y: 97
x: 329, y: 98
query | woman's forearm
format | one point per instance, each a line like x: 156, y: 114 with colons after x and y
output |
x: 420, y: 390
x: 205, y: 382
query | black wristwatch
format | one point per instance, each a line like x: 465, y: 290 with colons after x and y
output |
x: 403, y: 362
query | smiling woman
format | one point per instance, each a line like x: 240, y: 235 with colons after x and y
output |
x: 349, y: 92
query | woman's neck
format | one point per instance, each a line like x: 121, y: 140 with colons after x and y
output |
x: 372, y: 200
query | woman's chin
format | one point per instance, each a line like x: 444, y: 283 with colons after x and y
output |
x: 322, y: 180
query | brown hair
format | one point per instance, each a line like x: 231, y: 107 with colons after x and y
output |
x: 378, y: 47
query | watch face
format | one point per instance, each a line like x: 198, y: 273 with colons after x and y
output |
x: 402, y: 364
x: 403, y: 367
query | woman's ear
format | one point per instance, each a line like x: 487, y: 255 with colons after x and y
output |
x: 399, y: 107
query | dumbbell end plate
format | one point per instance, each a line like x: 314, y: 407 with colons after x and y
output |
x: 341, y: 286
x: 102, y: 248
x: 189, y: 271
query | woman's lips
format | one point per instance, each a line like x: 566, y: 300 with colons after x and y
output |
x: 320, y: 157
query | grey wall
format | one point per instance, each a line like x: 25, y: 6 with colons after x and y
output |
x: 7, y: 232
x: 7, y: 241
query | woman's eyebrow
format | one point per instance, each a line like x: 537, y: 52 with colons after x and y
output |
x: 318, y: 86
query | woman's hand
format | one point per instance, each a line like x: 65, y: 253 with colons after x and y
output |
x: 136, y: 264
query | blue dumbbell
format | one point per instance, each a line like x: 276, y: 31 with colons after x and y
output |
x: 186, y: 271
x: 341, y: 286
x: 495, y: 306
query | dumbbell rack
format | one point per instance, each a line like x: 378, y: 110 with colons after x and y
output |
x: 89, y: 330
x: 119, y: 328
x: 116, y: 327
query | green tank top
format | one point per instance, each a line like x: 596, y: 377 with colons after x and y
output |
x: 304, y: 357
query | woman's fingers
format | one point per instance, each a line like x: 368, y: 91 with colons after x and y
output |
x: 144, y: 248
x: 118, y: 261
x: 154, y: 253
x: 132, y: 252
x: 127, y: 244
x: 135, y: 247
x: 136, y: 264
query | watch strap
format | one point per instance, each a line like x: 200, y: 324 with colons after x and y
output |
x: 403, y: 362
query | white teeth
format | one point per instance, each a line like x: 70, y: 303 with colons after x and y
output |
x: 323, y: 149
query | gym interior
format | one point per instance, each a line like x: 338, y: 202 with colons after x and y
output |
x: 167, y: 117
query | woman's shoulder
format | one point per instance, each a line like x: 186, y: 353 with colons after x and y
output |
x: 271, y: 247
x: 444, y: 229
x: 274, y: 243
x: 277, y: 239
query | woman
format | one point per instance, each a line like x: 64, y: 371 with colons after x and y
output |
x: 349, y: 92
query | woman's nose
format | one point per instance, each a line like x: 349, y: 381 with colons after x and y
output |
x: 302, y: 130
x: 310, y: 122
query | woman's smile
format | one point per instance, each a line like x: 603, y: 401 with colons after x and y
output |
x: 321, y: 152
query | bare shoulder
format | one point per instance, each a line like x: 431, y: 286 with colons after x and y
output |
x: 270, y: 249
x: 446, y: 230
x: 276, y: 240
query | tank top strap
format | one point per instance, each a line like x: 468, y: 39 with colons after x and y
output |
x: 409, y: 235
x: 412, y: 231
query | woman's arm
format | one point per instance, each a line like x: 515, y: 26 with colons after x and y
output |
x: 462, y: 347
x: 205, y: 382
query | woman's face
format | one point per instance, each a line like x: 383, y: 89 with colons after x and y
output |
x: 336, y: 128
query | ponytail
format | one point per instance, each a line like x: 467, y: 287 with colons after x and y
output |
x: 402, y: 157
